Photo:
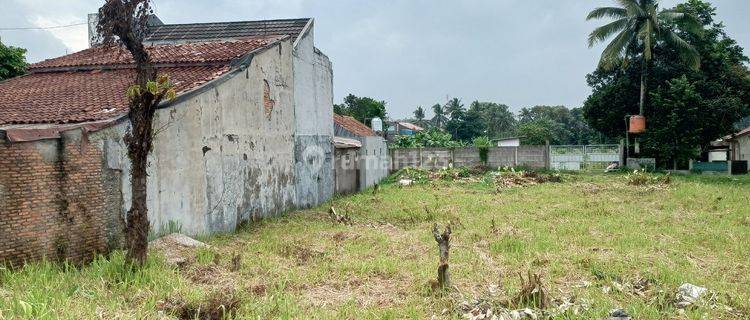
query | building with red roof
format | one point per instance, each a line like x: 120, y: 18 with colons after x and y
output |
x: 249, y: 135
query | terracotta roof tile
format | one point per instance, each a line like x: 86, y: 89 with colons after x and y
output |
x: 56, y: 97
x: 202, y: 52
x: 353, y: 126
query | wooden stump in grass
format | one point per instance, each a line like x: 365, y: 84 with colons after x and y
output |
x: 444, y: 244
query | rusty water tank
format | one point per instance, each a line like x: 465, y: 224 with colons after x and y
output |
x: 637, y: 124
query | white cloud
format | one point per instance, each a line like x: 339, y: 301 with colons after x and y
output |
x: 75, y: 37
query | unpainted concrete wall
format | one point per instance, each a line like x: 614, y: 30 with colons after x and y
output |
x: 313, y: 106
x: 437, y: 158
x: 347, y: 174
x: 219, y: 158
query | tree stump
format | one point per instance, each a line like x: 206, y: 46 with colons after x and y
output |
x: 444, y: 244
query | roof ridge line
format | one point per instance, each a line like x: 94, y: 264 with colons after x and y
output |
x: 205, y: 23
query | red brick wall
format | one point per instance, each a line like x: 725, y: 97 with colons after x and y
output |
x: 52, y: 206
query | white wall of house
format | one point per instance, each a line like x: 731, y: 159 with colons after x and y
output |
x: 219, y: 158
x: 515, y: 142
x: 741, y: 147
x: 374, y: 161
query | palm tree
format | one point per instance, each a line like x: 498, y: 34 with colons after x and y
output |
x: 639, y: 25
x: 419, y: 116
x: 454, y: 108
x: 439, y: 119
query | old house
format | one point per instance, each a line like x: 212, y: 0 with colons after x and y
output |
x: 373, y: 159
x: 740, y: 145
x: 249, y: 135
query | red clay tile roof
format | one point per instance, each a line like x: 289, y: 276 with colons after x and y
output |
x: 352, y: 125
x: 200, y: 53
x: 48, y: 95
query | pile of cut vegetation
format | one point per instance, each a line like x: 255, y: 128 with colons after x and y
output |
x: 512, y: 178
x: 502, y: 178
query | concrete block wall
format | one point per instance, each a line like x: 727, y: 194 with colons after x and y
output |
x: 467, y: 157
x: 438, y: 158
x: 54, y: 201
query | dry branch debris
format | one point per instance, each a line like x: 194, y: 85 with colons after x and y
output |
x: 344, y: 219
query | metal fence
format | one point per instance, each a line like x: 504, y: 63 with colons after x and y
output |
x: 584, y: 157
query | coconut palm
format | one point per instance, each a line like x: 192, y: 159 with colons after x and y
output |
x: 439, y: 119
x: 639, y: 25
x: 454, y: 108
x: 419, y: 116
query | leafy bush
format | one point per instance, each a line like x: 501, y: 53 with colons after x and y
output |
x: 484, y: 144
x: 643, y: 178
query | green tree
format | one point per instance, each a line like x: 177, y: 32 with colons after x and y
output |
x: 678, y: 136
x: 498, y: 120
x: 570, y: 126
x: 364, y: 109
x: 427, y: 139
x: 419, y: 116
x: 637, y: 28
x: 539, y: 131
x: 466, y: 125
x: 12, y: 61
x: 439, y: 119
x: 722, y: 84
x: 455, y: 108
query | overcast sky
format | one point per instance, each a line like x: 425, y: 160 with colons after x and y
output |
x: 408, y: 52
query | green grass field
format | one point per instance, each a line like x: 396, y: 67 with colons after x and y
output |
x: 593, y: 238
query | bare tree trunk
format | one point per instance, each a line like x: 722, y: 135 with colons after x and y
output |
x: 443, y: 240
x: 139, y: 142
x: 644, y: 79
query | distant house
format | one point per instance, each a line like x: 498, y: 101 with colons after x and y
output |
x: 348, y: 127
x: 508, y: 142
x: 740, y: 145
x: 249, y: 135
x: 374, y: 163
x: 401, y: 128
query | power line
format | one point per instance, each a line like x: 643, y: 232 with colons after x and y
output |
x: 43, y: 28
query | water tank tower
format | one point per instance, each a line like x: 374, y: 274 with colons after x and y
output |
x: 377, y: 125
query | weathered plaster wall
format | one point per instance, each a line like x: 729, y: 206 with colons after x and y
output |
x: 223, y: 156
x: 313, y: 95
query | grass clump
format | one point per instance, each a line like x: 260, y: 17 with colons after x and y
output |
x: 644, y: 178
